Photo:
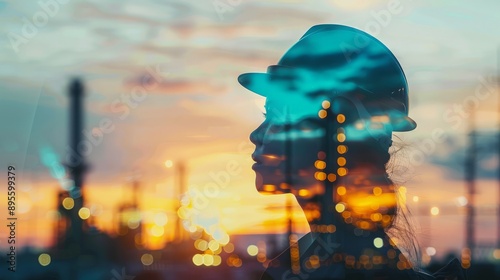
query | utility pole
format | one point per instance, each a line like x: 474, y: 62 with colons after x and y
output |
x: 498, y: 146
x: 470, y: 174
x: 181, y: 187
x: 287, y: 187
x: 332, y: 130
x: 288, y: 177
x: 135, y: 194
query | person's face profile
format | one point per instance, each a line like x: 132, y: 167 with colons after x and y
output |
x: 285, y: 125
x: 300, y: 121
x: 298, y: 126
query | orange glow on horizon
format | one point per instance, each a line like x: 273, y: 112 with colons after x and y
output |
x: 233, y: 202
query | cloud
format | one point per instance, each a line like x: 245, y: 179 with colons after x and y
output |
x: 177, y: 87
x: 452, y: 154
x: 356, y: 5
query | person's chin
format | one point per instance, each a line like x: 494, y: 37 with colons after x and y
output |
x: 265, y: 176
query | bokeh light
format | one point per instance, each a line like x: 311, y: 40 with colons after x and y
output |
x: 147, y: 259
x: 325, y: 104
x: 84, y: 213
x: 340, y: 207
x: 378, y: 242
x: 198, y: 259
x: 229, y: 248
x: 160, y: 219
x: 44, y: 259
x: 201, y: 244
x: 68, y: 203
x: 341, y: 190
x: 169, y: 163
x: 431, y: 251
x: 462, y: 201
x: 208, y: 259
x: 252, y: 250
x: 213, y: 245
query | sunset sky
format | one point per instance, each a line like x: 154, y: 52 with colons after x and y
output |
x: 194, y: 111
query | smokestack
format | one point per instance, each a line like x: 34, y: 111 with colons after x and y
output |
x: 77, y: 165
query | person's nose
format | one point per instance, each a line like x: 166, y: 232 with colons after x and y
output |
x: 257, y: 136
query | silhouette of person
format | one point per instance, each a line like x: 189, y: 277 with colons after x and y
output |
x: 332, y: 103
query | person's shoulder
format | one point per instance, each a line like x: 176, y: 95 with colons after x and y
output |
x: 279, y: 267
x: 453, y: 270
x: 425, y: 276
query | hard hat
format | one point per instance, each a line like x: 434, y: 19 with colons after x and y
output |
x: 334, y: 60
